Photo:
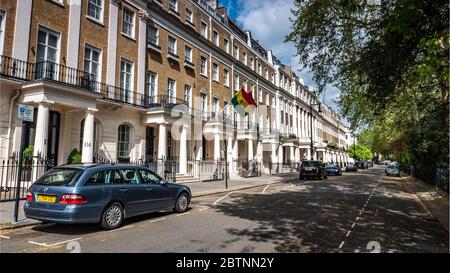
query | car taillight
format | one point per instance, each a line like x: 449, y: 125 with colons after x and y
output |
x: 72, y: 199
x: 29, y: 196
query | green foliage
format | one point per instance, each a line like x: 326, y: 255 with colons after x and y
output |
x: 28, y: 153
x: 359, y: 151
x: 74, y: 157
x: 390, y: 62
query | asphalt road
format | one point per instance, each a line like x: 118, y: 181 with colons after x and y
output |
x: 357, y: 212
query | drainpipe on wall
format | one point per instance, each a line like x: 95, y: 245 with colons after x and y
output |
x: 8, y: 137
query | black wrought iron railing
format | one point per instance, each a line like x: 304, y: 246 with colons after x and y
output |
x: 165, y: 102
x: 14, y: 68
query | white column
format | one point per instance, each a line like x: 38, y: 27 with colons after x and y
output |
x: 87, y: 154
x: 162, y: 140
x: 259, y: 151
x: 309, y: 153
x: 235, y: 154
x: 41, y: 138
x: 74, y: 33
x: 291, y: 154
x: 112, y: 42
x: 250, y: 149
x: 216, y: 146
x: 22, y: 29
x: 143, y: 16
x: 183, y: 150
x: 230, y: 152
x: 280, y: 154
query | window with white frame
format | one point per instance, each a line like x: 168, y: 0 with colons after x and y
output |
x: 236, y: 52
x: 266, y: 74
x: 2, y: 30
x: 173, y: 5
x: 189, y: 17
x: 252, y: 63
x: 225, y: 45
x: 204, y: 104
x: 188, y: 54
x: 216, y: 37
x: 92, y: 59
x: 171, y: 90
x: 128, y: 22
x: 187, y: 95
x: 95, y: 10
x: 172, y: 45
x: 204, y: 30
x: 215, y: 72
x: 152, y: 85
x: 153, y: 35
x: 236, y: 82
x: 244, y: 57
x: 203, y: 66
x: 259, y: 68
x: 123, y: 142
x: 215, y: 109
x: 226, y: 77
x: 126, y: 79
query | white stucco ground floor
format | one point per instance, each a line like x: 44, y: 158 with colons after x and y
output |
x: 68, y: 121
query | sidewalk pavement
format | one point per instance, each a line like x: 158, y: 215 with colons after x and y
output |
x: 435, y: 202
x: 197, y: 188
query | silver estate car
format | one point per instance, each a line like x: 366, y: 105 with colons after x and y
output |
x: 103, y: 194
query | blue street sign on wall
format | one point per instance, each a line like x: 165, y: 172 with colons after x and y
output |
x: 26, y: 113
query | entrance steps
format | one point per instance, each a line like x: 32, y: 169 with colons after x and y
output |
x: 185, y: 178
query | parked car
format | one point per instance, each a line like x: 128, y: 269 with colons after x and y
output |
x: 333, y: 169
x: 351, y: 168
x: 103, y: 194
x: 361, y: 165
x: 392, y: 170
x: 313, y: 169
x: 370, y: 164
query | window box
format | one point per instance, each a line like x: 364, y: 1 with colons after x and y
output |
x: 154, y: 47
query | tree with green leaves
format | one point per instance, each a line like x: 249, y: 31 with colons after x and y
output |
x: 390, y: 61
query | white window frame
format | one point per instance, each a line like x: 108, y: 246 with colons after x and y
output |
x: 99, y: 63
x: 131, y: 75
x: 170, y: 92
x: 188, y: 57
x: 157, y: 34
x: 2, y: 30
x: 244, y: 57
x: 169, y: 49
x: 204, y: 67
x: 189, y: 19
x: 133, y: 23
x: 150, y: 84
x: 101, y: 7
x: 226, y: 77
x: 188, y: 91
x: 236, y: 82
x: 236, y: 52
x: 252, y: 63
x: 173, y: 7
x: 215, y: 72
x: 226, y: 45
x: 215, y: 37
x: 204, y: 31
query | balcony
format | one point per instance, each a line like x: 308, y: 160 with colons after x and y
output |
x: 61, y: 74
x: 287, y: 139
x: 189, y: 64
x: 173, y: 57
x: 164, y: 102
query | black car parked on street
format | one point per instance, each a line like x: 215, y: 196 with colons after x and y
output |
x: 313, y: 169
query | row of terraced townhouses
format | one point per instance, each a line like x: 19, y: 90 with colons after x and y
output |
x: 104, y: 77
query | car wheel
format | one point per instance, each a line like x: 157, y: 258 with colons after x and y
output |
x: 182, y: 203
x: 112, y: 216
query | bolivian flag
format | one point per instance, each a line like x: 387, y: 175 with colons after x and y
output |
x: 241, y: 102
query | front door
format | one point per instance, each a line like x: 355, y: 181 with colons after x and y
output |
x: 47, y: 54
x: 53, y: 138
x: 149, y: 137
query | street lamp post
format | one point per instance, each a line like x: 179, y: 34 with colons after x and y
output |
x: 311, y: 126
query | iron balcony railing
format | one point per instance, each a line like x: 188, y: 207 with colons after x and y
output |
x: 164, y: 101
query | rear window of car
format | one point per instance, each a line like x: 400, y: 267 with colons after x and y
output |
x: 59, y: 177
x: 310, y: 164
x: 331, y: 166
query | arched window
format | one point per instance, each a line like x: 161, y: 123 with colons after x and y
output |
x: 123, y: 143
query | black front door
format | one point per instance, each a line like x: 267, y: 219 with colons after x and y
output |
x: 149, y: 144
x: 53, y: 138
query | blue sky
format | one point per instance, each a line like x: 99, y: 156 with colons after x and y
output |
x: 268, y: 20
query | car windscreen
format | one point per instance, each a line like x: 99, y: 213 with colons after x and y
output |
x: 331, y: 166
x: 310, y: 164
x: 58, y: 177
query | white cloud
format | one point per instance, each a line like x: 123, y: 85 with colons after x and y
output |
x: 268, y: 21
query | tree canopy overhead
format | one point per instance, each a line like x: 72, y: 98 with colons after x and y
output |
x: 389, y: 58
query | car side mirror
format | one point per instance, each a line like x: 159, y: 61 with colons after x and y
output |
x: 162, y: 182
